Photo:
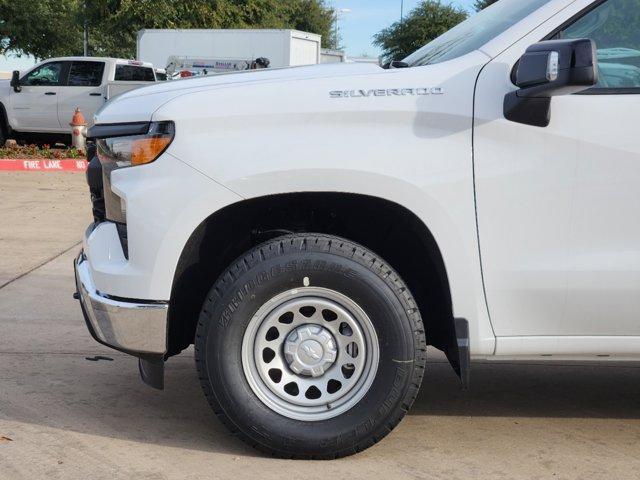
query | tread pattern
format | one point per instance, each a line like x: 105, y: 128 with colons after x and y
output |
x: 337, y: 246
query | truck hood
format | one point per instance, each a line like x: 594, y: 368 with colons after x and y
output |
x: 140, y: 104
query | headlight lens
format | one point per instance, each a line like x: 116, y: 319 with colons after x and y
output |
x: 122, y: 152
x: 115, y: 153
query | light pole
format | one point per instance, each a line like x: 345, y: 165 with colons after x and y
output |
x: 401, y: 10
x: 85, y: 33
x: 340, y: 11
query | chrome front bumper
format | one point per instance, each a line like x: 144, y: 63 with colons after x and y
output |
x: 135, y: 327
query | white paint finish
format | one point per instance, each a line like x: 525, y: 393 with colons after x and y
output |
x: 597, y: 347
x: 161, y: 216
x: 561, y: 257
x: 551, y: 210
x: 34, y: 109
x: 282, y: 107
x: 412, y: 150
x: 104, y: 251
x: 523, y: 196
x: 603, y: 275
x: 140, y: 105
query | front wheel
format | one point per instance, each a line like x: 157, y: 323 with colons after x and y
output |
x: 310, y: 346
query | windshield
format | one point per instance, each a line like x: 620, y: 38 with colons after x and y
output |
x: 474, y: 32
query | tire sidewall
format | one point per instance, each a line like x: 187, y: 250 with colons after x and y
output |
x: 248, y: 289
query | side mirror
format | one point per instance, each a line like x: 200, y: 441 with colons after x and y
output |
x: 395, y: 64
x: 548, y: 69
x: 15, y: 81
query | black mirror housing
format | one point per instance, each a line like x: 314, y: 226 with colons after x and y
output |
x: 557, y: 67
x: 547, y: 69
x: 15, y: 81
x: 395, y: 64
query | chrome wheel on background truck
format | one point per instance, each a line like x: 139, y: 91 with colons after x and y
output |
x: 310, y: 346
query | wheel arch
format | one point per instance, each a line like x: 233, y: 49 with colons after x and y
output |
x: 387, y: 228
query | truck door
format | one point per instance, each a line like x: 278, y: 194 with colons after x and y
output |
x: 559, y: 207
x: 83, y: 89
x: 35, y: 107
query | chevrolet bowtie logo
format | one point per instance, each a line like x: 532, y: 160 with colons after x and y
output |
x: 309, y: 350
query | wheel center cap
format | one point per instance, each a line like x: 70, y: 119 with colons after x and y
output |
x: 310, y: 350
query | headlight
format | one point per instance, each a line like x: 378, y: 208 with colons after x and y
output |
x: 122, y: 152
x: 123, y: 146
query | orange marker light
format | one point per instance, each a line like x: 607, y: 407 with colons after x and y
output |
x: 146, y: 150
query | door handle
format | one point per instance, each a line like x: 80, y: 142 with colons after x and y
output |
x: 95, y: 94
x: 49, y: 93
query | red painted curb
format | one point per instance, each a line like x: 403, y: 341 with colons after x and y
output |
x: 43, y: 165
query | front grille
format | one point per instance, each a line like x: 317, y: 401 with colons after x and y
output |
x: 98, y: 181
x: 114, y: 211
x: 96, y: 188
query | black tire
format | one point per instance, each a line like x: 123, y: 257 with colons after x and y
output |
x: 3, y: 134
x: 281, y: 265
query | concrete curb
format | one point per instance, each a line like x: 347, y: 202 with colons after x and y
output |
x: 43, y: 164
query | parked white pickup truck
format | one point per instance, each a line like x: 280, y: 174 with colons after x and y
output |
x: 312, y: 230
x: 40, y: 102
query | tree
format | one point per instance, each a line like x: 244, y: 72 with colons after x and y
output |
x: 119, y: 21
x: 46, y: 28
x: 482, y: 4
x: 427, y: 21
x: 316, y: 17
x: 42, y: 28
x: 114, y: 24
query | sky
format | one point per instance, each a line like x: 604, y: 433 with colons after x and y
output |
x: 367, y: 17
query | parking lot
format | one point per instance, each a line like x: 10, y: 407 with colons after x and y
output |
x: 64, y: 416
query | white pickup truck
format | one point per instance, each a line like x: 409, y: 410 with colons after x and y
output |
x: 313, y: 229
x: 40, y: 102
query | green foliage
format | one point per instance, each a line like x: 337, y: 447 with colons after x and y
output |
x: 482, y: 4
x: 427, y: 21
x: 37, y: 152
x: 47, y: 28
x: 316, y: 17
x: 43, y: 28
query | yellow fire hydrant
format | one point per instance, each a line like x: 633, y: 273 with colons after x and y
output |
x: 79, y: 131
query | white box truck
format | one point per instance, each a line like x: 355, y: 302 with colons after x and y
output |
x: 284, y: 48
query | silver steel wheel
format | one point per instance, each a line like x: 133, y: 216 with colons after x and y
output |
x: 310, y: 353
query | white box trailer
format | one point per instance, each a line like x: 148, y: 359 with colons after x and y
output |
x: 332, y: 56
x: 284, y: 48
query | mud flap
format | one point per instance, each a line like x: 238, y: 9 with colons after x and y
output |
x: 464, y: 352
x: 152, y: 371
x: 458, y: 352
